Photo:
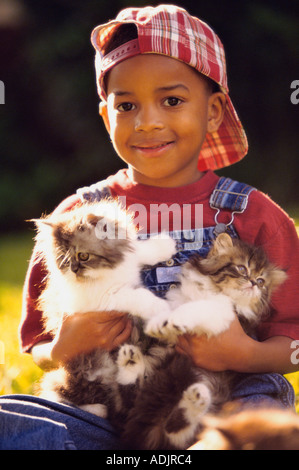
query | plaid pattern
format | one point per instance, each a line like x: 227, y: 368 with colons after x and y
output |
x: 171, y: 31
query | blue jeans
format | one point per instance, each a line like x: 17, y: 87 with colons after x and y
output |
x: 267, y: 390
x: 32, y: 423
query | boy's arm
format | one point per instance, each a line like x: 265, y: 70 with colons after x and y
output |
x: 31, y: 329
x: 234, y: 350
x: 82, y: 333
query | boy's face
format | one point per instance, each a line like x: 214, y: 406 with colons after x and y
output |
x: 158, y: 112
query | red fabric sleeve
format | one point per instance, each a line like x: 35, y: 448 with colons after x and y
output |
x: 283, y: 250
x: 265, y: 224
x: 31, y: 327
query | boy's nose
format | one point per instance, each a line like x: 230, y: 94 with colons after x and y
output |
x: 148, y: 119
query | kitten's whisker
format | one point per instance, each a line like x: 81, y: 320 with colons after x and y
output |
x: 65, y: 259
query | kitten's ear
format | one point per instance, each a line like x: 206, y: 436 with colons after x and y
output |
x: 278, y: 276
x: 222, y: 242
x: 93, y: 219
x: 41, y: 222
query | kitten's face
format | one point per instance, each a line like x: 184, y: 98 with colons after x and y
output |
x: 80, y: 252
x: 242, y: 272
x: 83, y: 245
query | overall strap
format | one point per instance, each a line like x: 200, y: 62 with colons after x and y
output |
x: 95, y: 192
x: 229, y: 195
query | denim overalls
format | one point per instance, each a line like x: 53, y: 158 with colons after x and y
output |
x: 228, y: 195
x: 232, y: 196
x: 28, y: 422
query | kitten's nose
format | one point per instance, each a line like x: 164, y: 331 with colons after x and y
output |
x: 75, y: 266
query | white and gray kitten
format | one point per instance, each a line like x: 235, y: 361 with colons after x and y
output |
x: 93, y: 259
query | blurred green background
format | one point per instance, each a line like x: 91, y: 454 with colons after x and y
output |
x: 52, y: 140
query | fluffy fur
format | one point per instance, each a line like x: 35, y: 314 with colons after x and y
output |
x: 155, y: 397
x: 93, y: 258
x: 234, y: 278
x: 262, y: 429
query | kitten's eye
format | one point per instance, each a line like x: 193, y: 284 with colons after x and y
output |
x: 242, y: 270
x: 260, y: 282
x: 83, y: 256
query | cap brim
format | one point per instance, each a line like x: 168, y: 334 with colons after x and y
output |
x: 226, y: 146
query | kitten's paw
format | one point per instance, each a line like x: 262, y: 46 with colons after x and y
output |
x: 167, y: 327
x: 160, y: 327
x: 168, y: 246
x: 209, y: 316
x: 165, y: 246
x: 156, y: 249
x: 130, y: 363
x: 196, y: 399
x: 96, y: 409
x: 129, y: 355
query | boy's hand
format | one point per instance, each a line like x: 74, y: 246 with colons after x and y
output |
x: 85, y: 332
x: 227, y: 351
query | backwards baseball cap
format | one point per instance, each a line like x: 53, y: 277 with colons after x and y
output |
x: 172, y: 31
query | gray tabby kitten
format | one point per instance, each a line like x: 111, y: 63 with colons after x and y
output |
x: 235, y: 277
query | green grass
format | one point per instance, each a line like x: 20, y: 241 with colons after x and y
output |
x: 18, y: 373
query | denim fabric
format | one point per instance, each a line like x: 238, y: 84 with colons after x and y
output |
x: 162, y: 277
x: 32, y: 423
x: 231, y: 195
x: 264, y: 390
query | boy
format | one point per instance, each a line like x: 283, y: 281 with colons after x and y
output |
x: 162, y: 80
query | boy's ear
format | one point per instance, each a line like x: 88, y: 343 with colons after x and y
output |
x: 216, y: 111
x: 103, y: 110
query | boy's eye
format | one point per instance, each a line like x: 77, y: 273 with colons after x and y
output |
x: 124, y: 107
x: 172, y: 101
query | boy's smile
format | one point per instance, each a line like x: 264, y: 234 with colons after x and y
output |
x: 158, y: 113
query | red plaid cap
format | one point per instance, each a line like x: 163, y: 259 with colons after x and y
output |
x: 172, y: 31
